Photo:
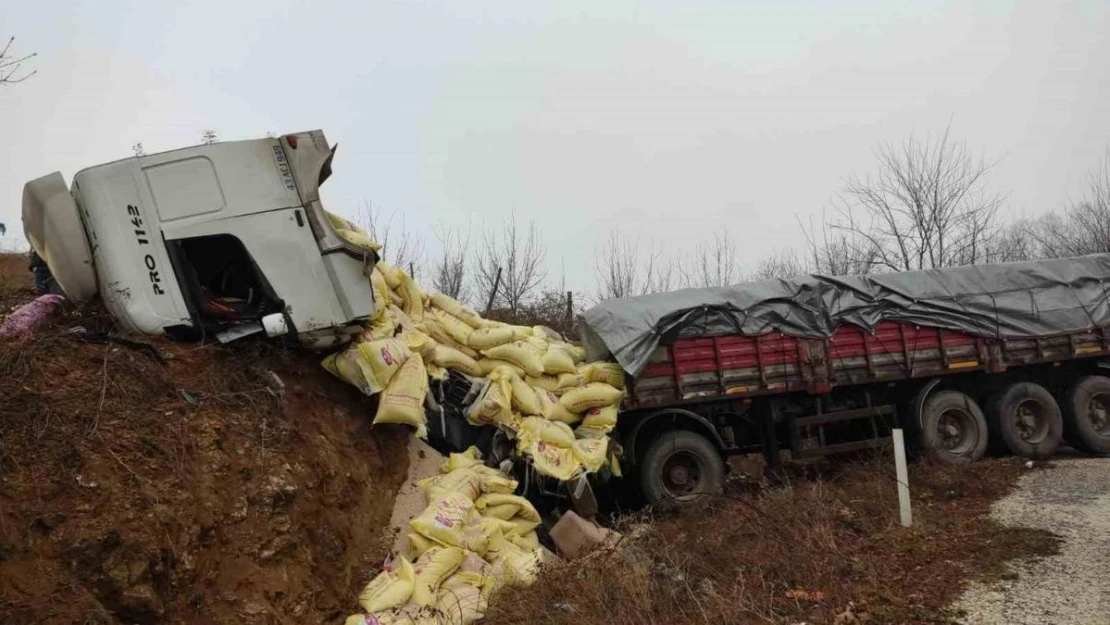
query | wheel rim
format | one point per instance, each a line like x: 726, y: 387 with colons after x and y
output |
x: 956, y: 431
x: 681, y: 475
x: 1098, y: 413
x: 1030, y: 421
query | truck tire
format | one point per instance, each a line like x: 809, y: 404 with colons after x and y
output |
x: 1086, y: 409
x: 953, y: 429
x: 680, y: 467
x: 1028, y: 420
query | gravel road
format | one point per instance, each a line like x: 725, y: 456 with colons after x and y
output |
x: 1072, y: 500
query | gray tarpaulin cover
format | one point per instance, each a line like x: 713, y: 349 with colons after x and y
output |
x: 1014, y: 300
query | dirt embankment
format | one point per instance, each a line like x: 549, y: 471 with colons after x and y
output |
x: 185, y: 484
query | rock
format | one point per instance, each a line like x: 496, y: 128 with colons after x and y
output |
x: 140, y: 604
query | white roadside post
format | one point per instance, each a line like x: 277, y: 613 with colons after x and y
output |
x: 903, y: 478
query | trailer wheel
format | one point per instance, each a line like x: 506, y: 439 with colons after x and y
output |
x: 1028, y: 420
x: 1087, y: 415
x: 679, y: 467
x: 953, y: 428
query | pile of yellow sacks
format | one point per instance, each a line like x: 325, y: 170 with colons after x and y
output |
x: 474, y: 538
x: 559, y: 409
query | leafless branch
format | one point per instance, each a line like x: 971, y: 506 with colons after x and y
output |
x: 925, y: 207
x: 519, y: 254
x: 450, y: 273
x: 10, y: 65
x: 400, y: 246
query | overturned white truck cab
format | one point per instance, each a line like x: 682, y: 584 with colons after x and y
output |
x: 221, y: 240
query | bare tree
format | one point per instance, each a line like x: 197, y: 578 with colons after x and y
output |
x: 208, y: 137
x: 1085, y: 227
x: 926, y: 207
x: 616, y: 268
x: 11, y: 65
x: 509, y: 265
x: 1014, y: 241
x: 836, y: 253
x: 450, y: 274
x: 713, y: 263
x: 138, y: 150
x: 780, y: 264
x: 400, y: 246
x: 625, y: 268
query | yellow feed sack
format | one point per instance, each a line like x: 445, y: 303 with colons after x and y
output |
x: 433, y: 329
x: 411, y: 297
x: 520, y: 566
x: 600, y: 418
x: 381, y: 291
x: 521, y: 354
x: 443, y: 521
x: 583, y: 431
x: 435, y: 371
x: 545, y: 332
x: 403, y: 399
x: 460, y: 605
x: 452, y: 358
x: 576, y: 352
x: 464, y: 481
x: 403, y: 320
x: 494, y: 407
x: 456, y: 309
x: 436, y: 565
x: 507, y: 508
x: 418, y: 545
x: 455, y: 328
x: 556, y: 384
x: 559, y: 412
x: 525, y: 400
x: 545, y: 382
x: 391, y: 588
x: 383, y: 359
x: 360, y: 239
x: 464, y: 460
x: 487, y: 338
x: 557, y: 360
x: 609, y: 373
x: 553, y: 460
x: 521, y: 332
x: 418, y: 342
x: 568, y: 381
x: 384, y: 327
x: 527, y: 541
x: 348, y: 366
x: 591, y: 452
x: 393, y: 275
x: 480, y: 529
x: 547, y: 400
x: 337, y: 222
x: 593, y: 395
x: 542, y: 430
x: 489, y: 365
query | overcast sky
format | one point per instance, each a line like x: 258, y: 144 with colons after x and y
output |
x: 669, y: 120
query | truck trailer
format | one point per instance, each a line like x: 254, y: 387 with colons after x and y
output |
x: 1007, y: 358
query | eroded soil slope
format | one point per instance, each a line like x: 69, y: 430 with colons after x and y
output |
x: 183, y: 483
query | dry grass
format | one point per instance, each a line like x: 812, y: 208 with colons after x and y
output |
x: 804, y: 553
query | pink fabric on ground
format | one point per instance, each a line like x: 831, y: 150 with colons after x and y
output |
x: 31, y: 316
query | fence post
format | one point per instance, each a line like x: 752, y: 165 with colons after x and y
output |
x: 905, y: 513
